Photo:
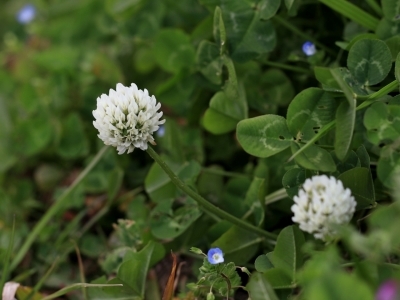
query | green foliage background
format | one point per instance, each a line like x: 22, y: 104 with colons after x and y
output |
x: 249, y: 118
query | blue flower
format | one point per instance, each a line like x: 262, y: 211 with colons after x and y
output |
x: 161, y: 131
x: 26, y: 14
x: 309, y: 48
x: 215, y: 256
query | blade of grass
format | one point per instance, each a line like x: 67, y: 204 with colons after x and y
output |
x: 353, y: 12
x: 38, y: 285
x: 7, y: 259
x: 81, y: 270
x: 71, y: 227
x: 375, y: 6
x: 276, y: 196
x: 53, y: 210
x: 76, y: 286
x: 287, y: 67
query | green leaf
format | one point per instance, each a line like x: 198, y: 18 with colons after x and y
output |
x: 106, y: 68
x: 327, y: 288
x: 266, y: 90
x: 50, y: 59
x: 133, y: 272
x: 218, y: 123
x: 397, y: 68
x: 123, y: 9
x: 247, y: 35
x: 222, y: 103
x: 277, y: 87
x: 219, y: 31
x: 394, y: 46
x: 388, y: 166
x: 293, y: 180
x: 209, y: 62
x: 268, y: 8
x: 369, y: 61
x: 363, y: 156
x: 114, y: 183
x: 287, y: 254
x: 238, y: 245
x: 387, y: 29
x: 324, y: 76
x: 259, y: 288
x: 314, y: 158
x: 254, y: 201
x: 351, y: 161
x: 262, y: 263
x: 229, y: 105
x: 73, y: 141
x: 345, y: 122
x: 361, y: 37
x: 278, y: 278
x: 344, y: 86
x: 382, y: 122
x: 292, y: 6
x: 391, y: 10
x: 33, y: 135
x: 359, y: 181
x: 308, y: 112
x: 159, y: 186
x: 173, y: 50
x: 168, y: 224
x: 264, y: 136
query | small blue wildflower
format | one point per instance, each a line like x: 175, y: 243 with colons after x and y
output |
x: 161, y: 131
x: 309, y: 48
x: 26, y: 14
x: 215, y: 256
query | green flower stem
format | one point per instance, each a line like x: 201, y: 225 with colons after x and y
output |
x: 209, y: 207
x: 369, y: 100
x: 224, y: 173
x: 382, y: 92
x: 287, y: 67
x: 297, y: 31
x: 375, y: 6
x: 352, y: 12
x: 275, y: 196
x: 54, y: 209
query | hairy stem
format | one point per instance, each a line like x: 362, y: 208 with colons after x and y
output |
x: 208, y: 206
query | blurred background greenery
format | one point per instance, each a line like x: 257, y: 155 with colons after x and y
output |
x: 58, y: 56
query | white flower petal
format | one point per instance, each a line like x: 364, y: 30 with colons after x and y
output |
x: 321, y: 204
x: 127, y: 117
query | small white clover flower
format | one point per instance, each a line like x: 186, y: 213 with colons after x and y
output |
x: 127, y: 117
x: 321, y: 204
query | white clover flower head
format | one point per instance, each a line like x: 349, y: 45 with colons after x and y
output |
x: 127, y: 117
x: 322, y: 204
